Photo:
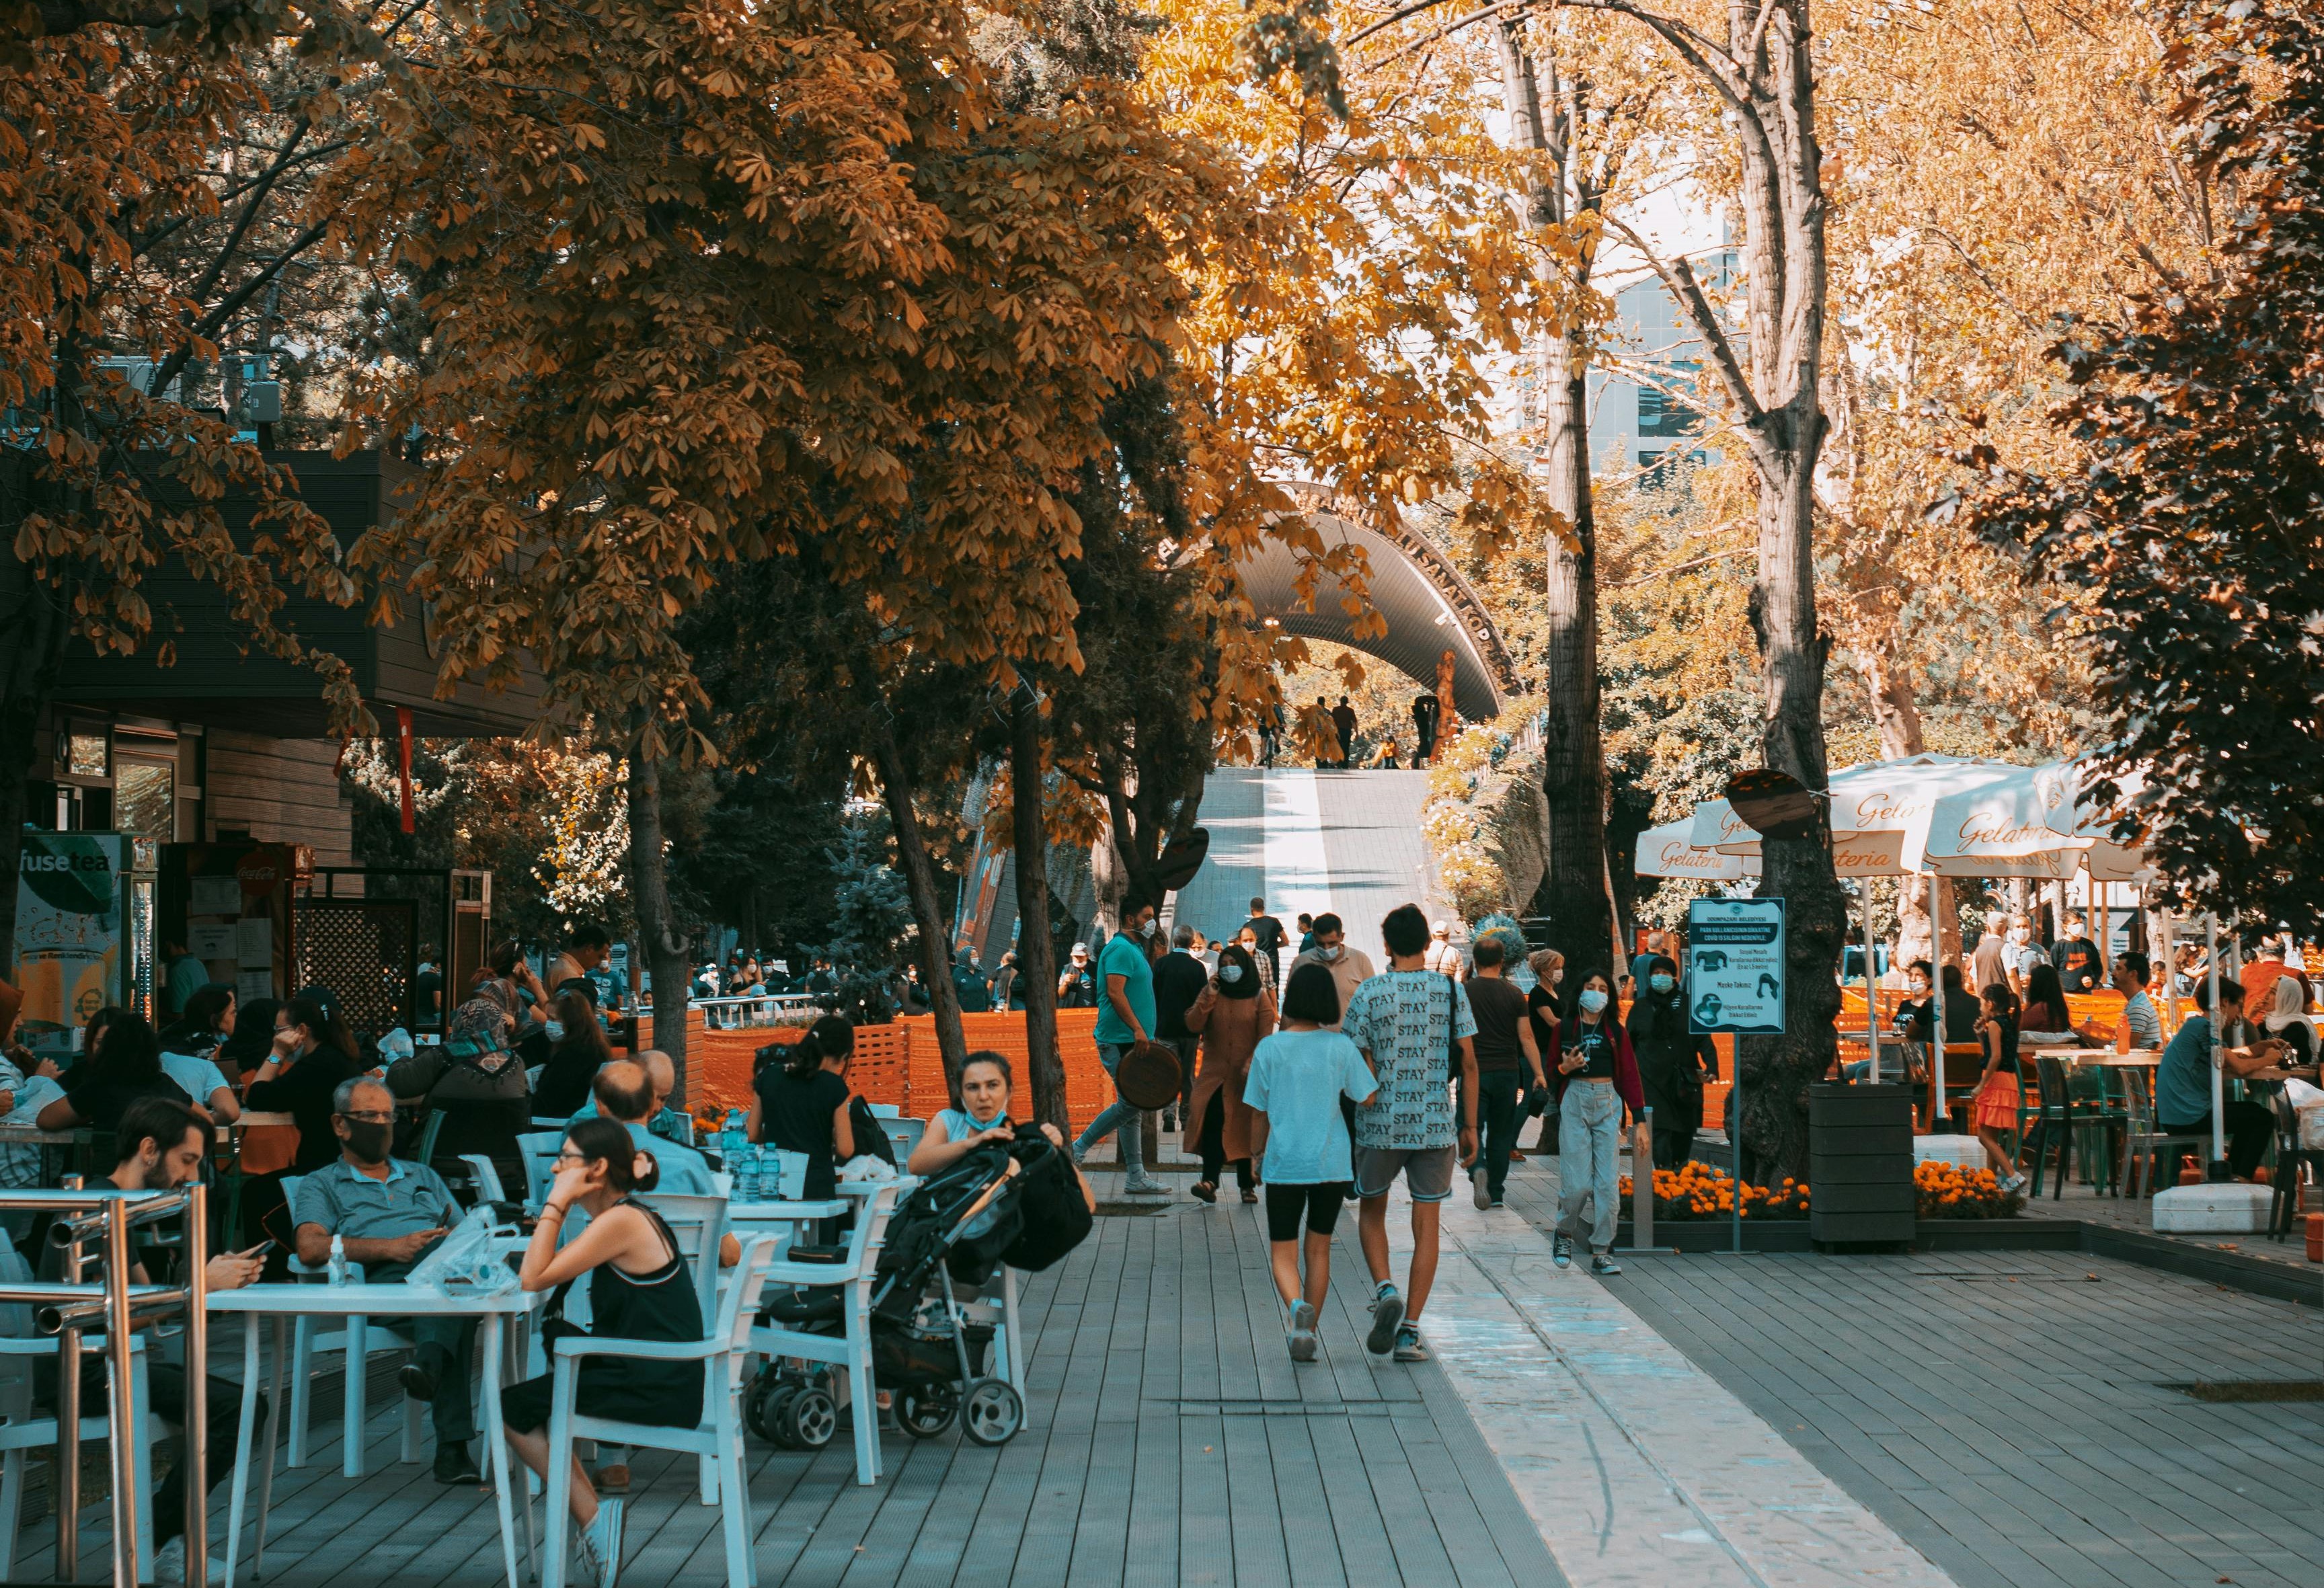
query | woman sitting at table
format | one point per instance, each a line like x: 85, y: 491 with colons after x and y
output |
x: 985, y: 1084
x: 803, y: 1104
x: 478, y: 1085
x: 2288, y: 1020
x: 248, y: 1039
x: 577, y: 1050
x: 122, y: 1064
x: 206, y: 1023
x: 1995, y: 1112
x: 638, y: 1290
x: 2045, y: 1021
x: 303, y: 1070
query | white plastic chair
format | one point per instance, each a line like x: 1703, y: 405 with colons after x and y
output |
x: 885, y: 1110
x: 996, y: 1304
x: 849, y: 1350
x: 355, y: 1339
x: 482, y: 1178
x: 539, y: 1150
x: 717, y: 1438
x: 22, y: 1432
x: 904, y: 1136
x: 698, y: 1225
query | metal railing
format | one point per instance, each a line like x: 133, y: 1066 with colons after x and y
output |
x: 762, y: 1009
x: 72, y: 1306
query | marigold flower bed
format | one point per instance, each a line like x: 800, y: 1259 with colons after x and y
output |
x: 1947, y: 1190
x: 1701, y: 1191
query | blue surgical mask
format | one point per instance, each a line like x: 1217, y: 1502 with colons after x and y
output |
x: 1593, y: 1000
x: 1229, y: 973
x: 1662, y: 981
x: 556, y: 1030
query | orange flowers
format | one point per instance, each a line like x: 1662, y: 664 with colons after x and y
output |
x: 1701, y: 1191
x: 1947, y: 1190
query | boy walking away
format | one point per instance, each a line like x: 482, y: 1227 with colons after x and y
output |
x: 1409, y: 1024
x: 1297, y: 1077
x: 1504, y: 1042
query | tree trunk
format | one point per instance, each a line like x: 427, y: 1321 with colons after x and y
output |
x: 920, y: 883
x: 1778, y: 1070
x: 665, y: 956
x: 1037, y: 964
x: 1575, y: 891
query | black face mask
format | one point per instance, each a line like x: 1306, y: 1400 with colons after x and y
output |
x: 369, y: 1140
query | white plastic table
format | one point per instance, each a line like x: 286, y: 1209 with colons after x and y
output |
x: 284, y: 1302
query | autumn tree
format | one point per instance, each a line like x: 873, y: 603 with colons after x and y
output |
x: 157, y: 203
x: 2187, y: 512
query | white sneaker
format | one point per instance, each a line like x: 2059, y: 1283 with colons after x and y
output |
x: 1478, y: 1193
x: 169, y: 1565
x: 1302, y: 1332
x: 603, y: 1540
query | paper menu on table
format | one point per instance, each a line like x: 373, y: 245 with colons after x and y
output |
x: 207, y: 942
x: 213, y: 896
x: 253, y: 943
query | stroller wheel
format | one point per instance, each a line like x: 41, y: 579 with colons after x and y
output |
x: 993, y: 1413
x: 808, y: 1419
x: 926, y: 1411
x: 763, y: 1410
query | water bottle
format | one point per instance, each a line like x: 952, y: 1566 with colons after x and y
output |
x: 732, y: 1139
x: 747, y: 1185
x: 338, y: 1260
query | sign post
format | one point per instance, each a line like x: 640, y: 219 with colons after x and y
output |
x: 1735, y: 984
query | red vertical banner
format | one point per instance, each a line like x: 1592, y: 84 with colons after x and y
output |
x: 403, y: 761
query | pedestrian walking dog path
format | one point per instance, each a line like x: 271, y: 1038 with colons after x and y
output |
x: 1636, y: 1467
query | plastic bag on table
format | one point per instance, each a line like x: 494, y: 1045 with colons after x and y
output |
x: 467, y: 1262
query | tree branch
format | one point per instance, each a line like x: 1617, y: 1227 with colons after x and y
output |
x: 1679, y: 278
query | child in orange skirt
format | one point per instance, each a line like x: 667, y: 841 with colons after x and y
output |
x: 1995, y: 1111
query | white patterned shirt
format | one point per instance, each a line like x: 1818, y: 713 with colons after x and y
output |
x: 1405, y: 1021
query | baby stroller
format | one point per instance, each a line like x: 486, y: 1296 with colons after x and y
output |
x: 957, y: 1226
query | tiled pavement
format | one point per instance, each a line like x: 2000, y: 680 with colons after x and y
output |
x: 2004, y: 1412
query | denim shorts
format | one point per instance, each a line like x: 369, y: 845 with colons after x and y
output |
x: 1427, y: 1171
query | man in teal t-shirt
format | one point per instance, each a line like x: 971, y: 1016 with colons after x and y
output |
x: 1125, y: 1018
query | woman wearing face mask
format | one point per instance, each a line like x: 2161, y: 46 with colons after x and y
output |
x: 577, y: 1050
x: 477, y: 1083
x: 1590, y: 1055
x: 1673, y: 1063
x: 302, y: 1070
x: 1235, y: 1011
x: 1545, y: 1006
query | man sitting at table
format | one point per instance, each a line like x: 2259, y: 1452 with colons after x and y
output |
x: 160, y: 1144
x: 670, y: 1124
x: 2183, y: 1082
x: 2140, y: 1027
x: 625, y: 1090
x: 387, y: 1213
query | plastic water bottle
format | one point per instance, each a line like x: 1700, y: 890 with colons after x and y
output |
x: 732, y: 1138
x: 338, y: 1260
x: 747, y: 1185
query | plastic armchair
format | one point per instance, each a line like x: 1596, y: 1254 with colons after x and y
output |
x: 717, y: 1438
x: 698, y: 1226
x: 851, y: 1349
x: 355, y: 1339
x: 539, y: 1150
x: 904, y: 1136
x: 483, y: 1180
x: 2291, y: 1158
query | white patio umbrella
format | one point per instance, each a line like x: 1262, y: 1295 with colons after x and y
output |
x: 1669, y: 851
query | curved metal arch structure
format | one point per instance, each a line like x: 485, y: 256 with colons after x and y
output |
x: 1428, y: 607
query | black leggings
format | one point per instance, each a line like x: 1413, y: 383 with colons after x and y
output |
x: 1211, y: 1143
x: 1321, y: 1204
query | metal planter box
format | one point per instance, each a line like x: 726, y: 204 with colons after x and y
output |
x: 1860, y: 1165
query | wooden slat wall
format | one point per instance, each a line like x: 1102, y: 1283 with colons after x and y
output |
x: 280, y: 790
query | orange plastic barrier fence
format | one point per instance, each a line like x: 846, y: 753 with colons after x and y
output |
x: 900, y: 1063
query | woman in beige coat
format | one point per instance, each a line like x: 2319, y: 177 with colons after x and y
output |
x: 1232, y: 1014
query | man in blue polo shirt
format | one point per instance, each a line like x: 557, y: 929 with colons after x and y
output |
x: 2183, y: 1081
x: 623, y: 1090
x: 1125, y: 1018
x: 387, y: 1214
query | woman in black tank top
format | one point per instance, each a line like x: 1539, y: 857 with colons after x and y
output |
x: 639, y: 1288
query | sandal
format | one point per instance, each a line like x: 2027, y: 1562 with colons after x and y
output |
x: 1205, y: 1191
x: 1250, y: 1193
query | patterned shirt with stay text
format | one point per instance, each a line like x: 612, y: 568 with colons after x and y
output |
x: 1405, y: 1021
